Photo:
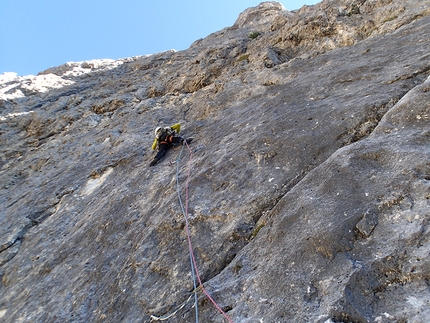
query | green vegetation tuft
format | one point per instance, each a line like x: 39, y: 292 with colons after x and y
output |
x: 254, y: 34
x: 244, y: 57
x: 355, y: 10
x: 256, y: 230
x: 390, y: 19
x: 238, y: 266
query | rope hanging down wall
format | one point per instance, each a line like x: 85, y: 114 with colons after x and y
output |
x: 194, y: 268
x: 185, y: 213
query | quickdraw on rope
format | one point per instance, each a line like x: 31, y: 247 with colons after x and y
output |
x: 194, y: 268
x: 167, y: 316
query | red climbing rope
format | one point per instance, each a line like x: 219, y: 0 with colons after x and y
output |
x: 189, y: 240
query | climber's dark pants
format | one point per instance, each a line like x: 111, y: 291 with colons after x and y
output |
x: 165, y: 145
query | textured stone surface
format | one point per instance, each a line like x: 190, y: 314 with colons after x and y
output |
x: 309, y: 189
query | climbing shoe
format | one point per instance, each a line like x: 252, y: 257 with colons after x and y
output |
x: 188, y: 140
x: 154, y: 162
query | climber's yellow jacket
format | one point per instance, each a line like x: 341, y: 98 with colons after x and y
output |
x: 175, y: 127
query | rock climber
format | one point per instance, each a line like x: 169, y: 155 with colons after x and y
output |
x: 166, y: 137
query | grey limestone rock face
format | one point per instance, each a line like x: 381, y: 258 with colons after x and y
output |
x: 308, y: 192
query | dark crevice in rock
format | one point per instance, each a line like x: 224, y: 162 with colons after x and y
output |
x: 10, y: 252
x: 18, y: 236
x: 246, y: 233
x: 11, y: 248
x: 369, y: 122
x: 372, y: 119
x: 37, y: 218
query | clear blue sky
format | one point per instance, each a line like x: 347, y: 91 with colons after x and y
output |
x: 38, y: 34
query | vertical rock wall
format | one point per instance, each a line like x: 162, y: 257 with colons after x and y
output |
x: 309, y: 189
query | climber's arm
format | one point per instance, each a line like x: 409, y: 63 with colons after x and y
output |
x: 154, y: 144
x: 176, y: 127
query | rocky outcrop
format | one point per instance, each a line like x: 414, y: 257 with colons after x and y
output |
x: 309, y: 190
